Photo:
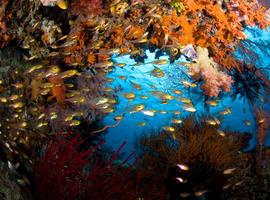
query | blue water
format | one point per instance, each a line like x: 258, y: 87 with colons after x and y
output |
x: 128, y: 130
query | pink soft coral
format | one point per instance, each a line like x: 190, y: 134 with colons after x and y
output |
x: 214, y: 79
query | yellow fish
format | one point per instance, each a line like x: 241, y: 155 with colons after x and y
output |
x: 229, y: 171
x: 121, y: 64
x: 167, y: 97
x: 34, y: 68
x: 135, y: 85
x: 118, y: 117
x: 213, y: 121
x: 157, y: 73
x: 176, y: 112
x: 46, y: 85
x: 149, y: 112
x: 42, y: 124
x: 247, y: 122
x: 108, y: 110
x: 111, y: 52
x: 18, y: 85
x: 137, y: 108
x: 102, y: 100
x: 53, y: 115
x: 53, y: 70
x: 128, y: 95
x: 177, y: 121
x: 42, y: 115
x: 177, y: 92
x: 104, y: 64
x: 62, y: 4
x: 225, y: 187
x: 13, y: 97
x: 188, y: 84
x: 168, y: 128
x: 141, y: 124
x: 183, y: 167
x: 107, y: 89
x: 200, y: 193
x: 77, y: 99
x: 112, y: 101
x: 221, y: 133
x: 260, y: 121
x: 23, y: 124
x: 144, y: 97
x: 159, y: 62
x: 189, y: 108
x: 184, y: 194
x: 226, y: 111
x: 184, y: 100
x: 211, y: 103
x: 17, y: 105
x: 123, y: 78
x: 74, y: 123
x: 163, y: 112
x: 173, y: 136
x: 110, y: 80
x: 69, y: 73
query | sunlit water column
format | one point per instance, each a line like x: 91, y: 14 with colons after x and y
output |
x: 131, y: 127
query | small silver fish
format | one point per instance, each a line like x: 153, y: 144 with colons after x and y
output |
x: 229, y: 171
x: 182, y: 167
x: 181, y: 180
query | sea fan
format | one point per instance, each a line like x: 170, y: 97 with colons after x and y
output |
x: 198, y: 146
x: 66, y: 172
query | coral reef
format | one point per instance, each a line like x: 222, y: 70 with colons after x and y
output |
x: 54, y: 58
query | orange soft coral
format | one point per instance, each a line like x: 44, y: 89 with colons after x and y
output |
x: 117, y: 36
x: 58, y: 89
x: 91, y: 58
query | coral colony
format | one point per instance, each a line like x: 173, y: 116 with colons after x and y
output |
x: 71, y: 71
